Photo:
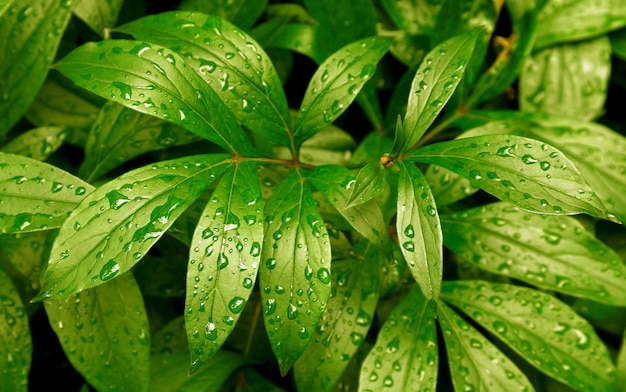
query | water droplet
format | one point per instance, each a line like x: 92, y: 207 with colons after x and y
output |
x: 270, y: 263
x: 270, y: 307
x: 292, y: 312
x: 324, y: 76
x: 222, y: 261
x: 430, y: 210
x: 116, y: 199
x: 125, y: 90
x: 528, y: 159
x: 544, y: 165
x: 324, y: 275
x: 475, y: 174
x: 56, y: 187
x: 109, y: 270
x: 210, y: 331
x: 409, y: 245
x: 506, y: 151
x: 409, y: 231
x: 236, y: 304
x: 247, y: 283
x: 255, y: 249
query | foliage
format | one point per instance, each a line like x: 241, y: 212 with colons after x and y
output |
x: 316, y: 196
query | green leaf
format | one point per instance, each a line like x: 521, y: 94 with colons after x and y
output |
x: 406, y: 355
x: 98, y: 15
x: 224, y: 261
x: 413, y: 16
x: 551, y: 252
x: 329, y: 146
x: 343, y: 325
x: 242, y: 13
x: 570, y: 80
x: 171, y: 338
x: 618, y: 43
x: 15, y: 342
x: 105, y: 334
x: 540, y: 328
x: 301, y: 38
x: 472, y: 358
x: 369, y: 182
x: 373, y: 145
x: 433, y: 84
x: 120, y: 134
x: 21, y: 257
x: 525, y: 172
x: 447, y: 186
x: 367, y: 218
x: 419, y: 231
x: 295, y: 269
x: 170, y: 372
x: 336, y: 83
x: 25, y: 25
x: 116, y: 225
x: 35, y: 195
x: 38, y: 143
x: 575, y: 20
x: 234, y: 65
x: 159, y: 83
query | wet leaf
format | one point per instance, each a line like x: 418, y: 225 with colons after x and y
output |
x: 38, y: 143
x: 475, y: 363
x: 98, y: 15
x: 540, y: 328
x: 35, y: 195
x: 233, y: 64
x: 575, y: 20
x: 105, y: 334
x: 551, y: 252
x: 155, y: 81
x: 343, y: 326
x: 334, y: 183
x: 413, y: 16
x: 618, y: 43
x: 300, y: 38
x: 171, y: 338
x: 373, y: 145
x: 570, y: 80
x: 330, y: 146
x: 433, y: 84
x: 525, y: 172
x: 406, y: 355
x: 120, y: 134
x: 242, y: 13
x: 419, y: 230
x: 369, y: 182
x: 114, y: 226
x: 447, y: 186
x: 295, y: 269
x: 30, y: 34
x: 336, y: 84
x: 223, y: 261
x: 15, y: 343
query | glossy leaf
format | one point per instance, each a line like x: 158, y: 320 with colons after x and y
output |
x: 569, y: 80
x: 35, y: 195
x: 120, y: 134
x: 334, y: 183
x: 551, y: 252
x: 447, y: 186
x: 37, y: 143
x: 116, y: 225
x: 475, y: 363
x: 330, y: 146
x: 105, y: 334
x: 15, y: 342
x: 242, y: 13
x: 419, y: 230
x: 343, y: 325
x: 336, y: 83
x: 406, y: 355
x: 575, y: 20
x: 525, y: 172
x: 369, y: 182
x: 301, y: 38
x: 540, y: 328
x: 224, y: 261
x: 98, y: 15
x: 433, y: 84
x: 21, y: 257
x: 413, y: 16
x: 230, y: 61
x: 156, y: 81
x: 295, y: 269
x: 29, y: 34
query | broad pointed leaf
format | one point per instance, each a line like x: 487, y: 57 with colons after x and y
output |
x: 525, y: 172
x: 98, y: 15
x: 343, y: 325
x: 119, y: 134
x: 300, y: 38
x: 230, y: 61
x: 37, y: 143
x: 433, y: 84
x: 35, y: 195
x: 29, y: 36
x: 369, y: 182
x: 295, y: 269
x: 336, y: 83
x: 551, y: 252
x: 156, y: 81
x: 334, y: 183
x: 406, y: 355
x: 15, y: 342
x: 223, y: 261
x: 475, y: 363
x: 413, y: 16
x: 447, y: 186
x: 242, y: 13
x: 105, y: 334
x: 117, y: 224
x: 540, y: 328
x: 419, y: 230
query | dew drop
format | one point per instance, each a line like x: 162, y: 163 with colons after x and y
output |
x: 109, y: 270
